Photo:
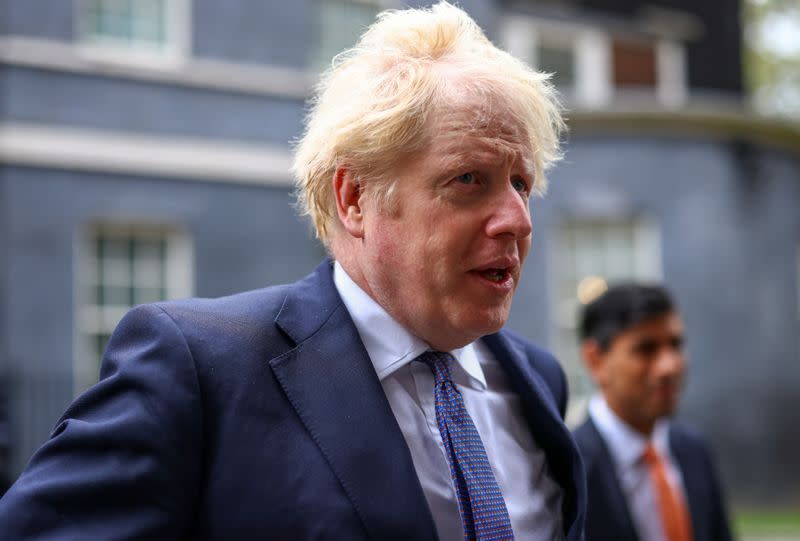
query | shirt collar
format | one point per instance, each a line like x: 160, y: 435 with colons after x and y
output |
x: 625, y: 443
x: 389, y: 345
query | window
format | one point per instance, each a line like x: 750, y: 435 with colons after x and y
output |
x: 123, y: 267
x: 339, y: 24
x: 578, y: 56
x: 589, y: 255
x: 558, y: 59
x: 149, y: 28
x: 592, y: 66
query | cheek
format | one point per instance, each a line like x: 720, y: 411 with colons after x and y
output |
x: 524, y: 247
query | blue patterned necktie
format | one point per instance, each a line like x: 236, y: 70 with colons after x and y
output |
x: 483, y: 511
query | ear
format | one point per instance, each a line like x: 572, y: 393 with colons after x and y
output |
x: 347, y: 191
x: 594, y: 359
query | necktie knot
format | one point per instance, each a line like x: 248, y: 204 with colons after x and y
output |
x: 650, y: 455
x: 439, y: 363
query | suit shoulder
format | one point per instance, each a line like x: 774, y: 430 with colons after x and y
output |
x: 255, y: 303
x: 545, y: 364
x: 240, y: 311
x: 584, y: 431
x: 687, y: 437
x: 541, y: 360
x: 587, y: 437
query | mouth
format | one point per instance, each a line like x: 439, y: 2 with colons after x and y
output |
x: 496, y: 274
x: 500, y: 273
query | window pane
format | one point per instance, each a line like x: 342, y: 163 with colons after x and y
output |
x: 124, y: 268
x: 339, y: 24
x: 100, y: 343
x: 130, y: 23
x: 144, y: 295
x: 560, y: 61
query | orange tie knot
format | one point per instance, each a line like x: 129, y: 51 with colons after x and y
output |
x: 650, y: 455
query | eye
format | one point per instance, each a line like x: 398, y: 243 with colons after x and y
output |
x: 647, y: 348
x: 467, y: 178
x: 520, y: 185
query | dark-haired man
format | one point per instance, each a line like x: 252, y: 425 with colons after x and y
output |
x: 649, y: 478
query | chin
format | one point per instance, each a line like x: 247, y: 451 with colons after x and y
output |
x: 489, y: 323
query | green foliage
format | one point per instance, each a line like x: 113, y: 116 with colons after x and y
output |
x: 772, y: 54
x: 753, y: 524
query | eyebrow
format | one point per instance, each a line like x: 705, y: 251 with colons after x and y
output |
x: 454, y: 158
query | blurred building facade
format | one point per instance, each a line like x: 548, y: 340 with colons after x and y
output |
x: 145, y: 150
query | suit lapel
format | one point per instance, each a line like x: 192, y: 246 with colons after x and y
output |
x: 331, y: 383
x: 612, y: 512
x: 548, y: 430
x: 691, y: 481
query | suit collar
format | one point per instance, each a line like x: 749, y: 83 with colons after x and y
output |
x: 391, y: 346
x: 548, y: 430
x: 693, y: 483
x: 331, y: 383
x: 625, y: 444
x: 601, y: 477
x: 308, y: 304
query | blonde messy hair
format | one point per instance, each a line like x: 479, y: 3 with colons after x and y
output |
x: 372, y: 104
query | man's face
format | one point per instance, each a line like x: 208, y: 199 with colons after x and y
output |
x: 641, y: 373
x: 445, y: 259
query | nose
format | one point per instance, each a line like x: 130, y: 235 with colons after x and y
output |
x: 670, y: 362
x: 510, y: 215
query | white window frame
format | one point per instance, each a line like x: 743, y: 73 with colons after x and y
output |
x: 594, y: 84
x: 179, y: 283
x: 672, y: 71
x: 647, y: 267
x: 176, y: 49
x: 521, y: 35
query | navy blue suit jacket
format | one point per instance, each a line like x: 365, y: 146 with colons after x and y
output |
x: 255, y: 416
x: 608, y: 517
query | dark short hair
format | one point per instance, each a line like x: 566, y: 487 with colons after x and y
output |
x: 621, y: 307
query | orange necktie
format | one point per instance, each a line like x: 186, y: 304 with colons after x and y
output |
x: 674, y: 516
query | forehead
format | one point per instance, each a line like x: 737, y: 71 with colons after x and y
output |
x: 478, y: 113
x: 664, y: 327
x: 479, y: 127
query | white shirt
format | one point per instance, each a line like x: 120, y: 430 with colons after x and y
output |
x: 626, y: 446
x: 532, y: 496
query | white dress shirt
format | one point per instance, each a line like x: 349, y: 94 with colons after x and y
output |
x: 532, y: 496
x: 626, y: 446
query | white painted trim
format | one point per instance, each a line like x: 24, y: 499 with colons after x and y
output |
x: 593, y: 85
x: 192, y: 72
x: 593, y: 89
x: 518, y: 37
x: 117, y: 152
x: 671, y: 75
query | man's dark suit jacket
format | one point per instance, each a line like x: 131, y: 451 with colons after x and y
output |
x: 256, y: 416
x: 608, y: 518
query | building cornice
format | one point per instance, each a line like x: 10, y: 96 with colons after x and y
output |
x: 738, y: 125
x: 191, y: 72
x: 186, y: 158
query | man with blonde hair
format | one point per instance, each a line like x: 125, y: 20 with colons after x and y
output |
x: 378, y: 398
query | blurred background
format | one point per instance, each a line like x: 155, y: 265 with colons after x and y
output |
x: 145, y: 149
